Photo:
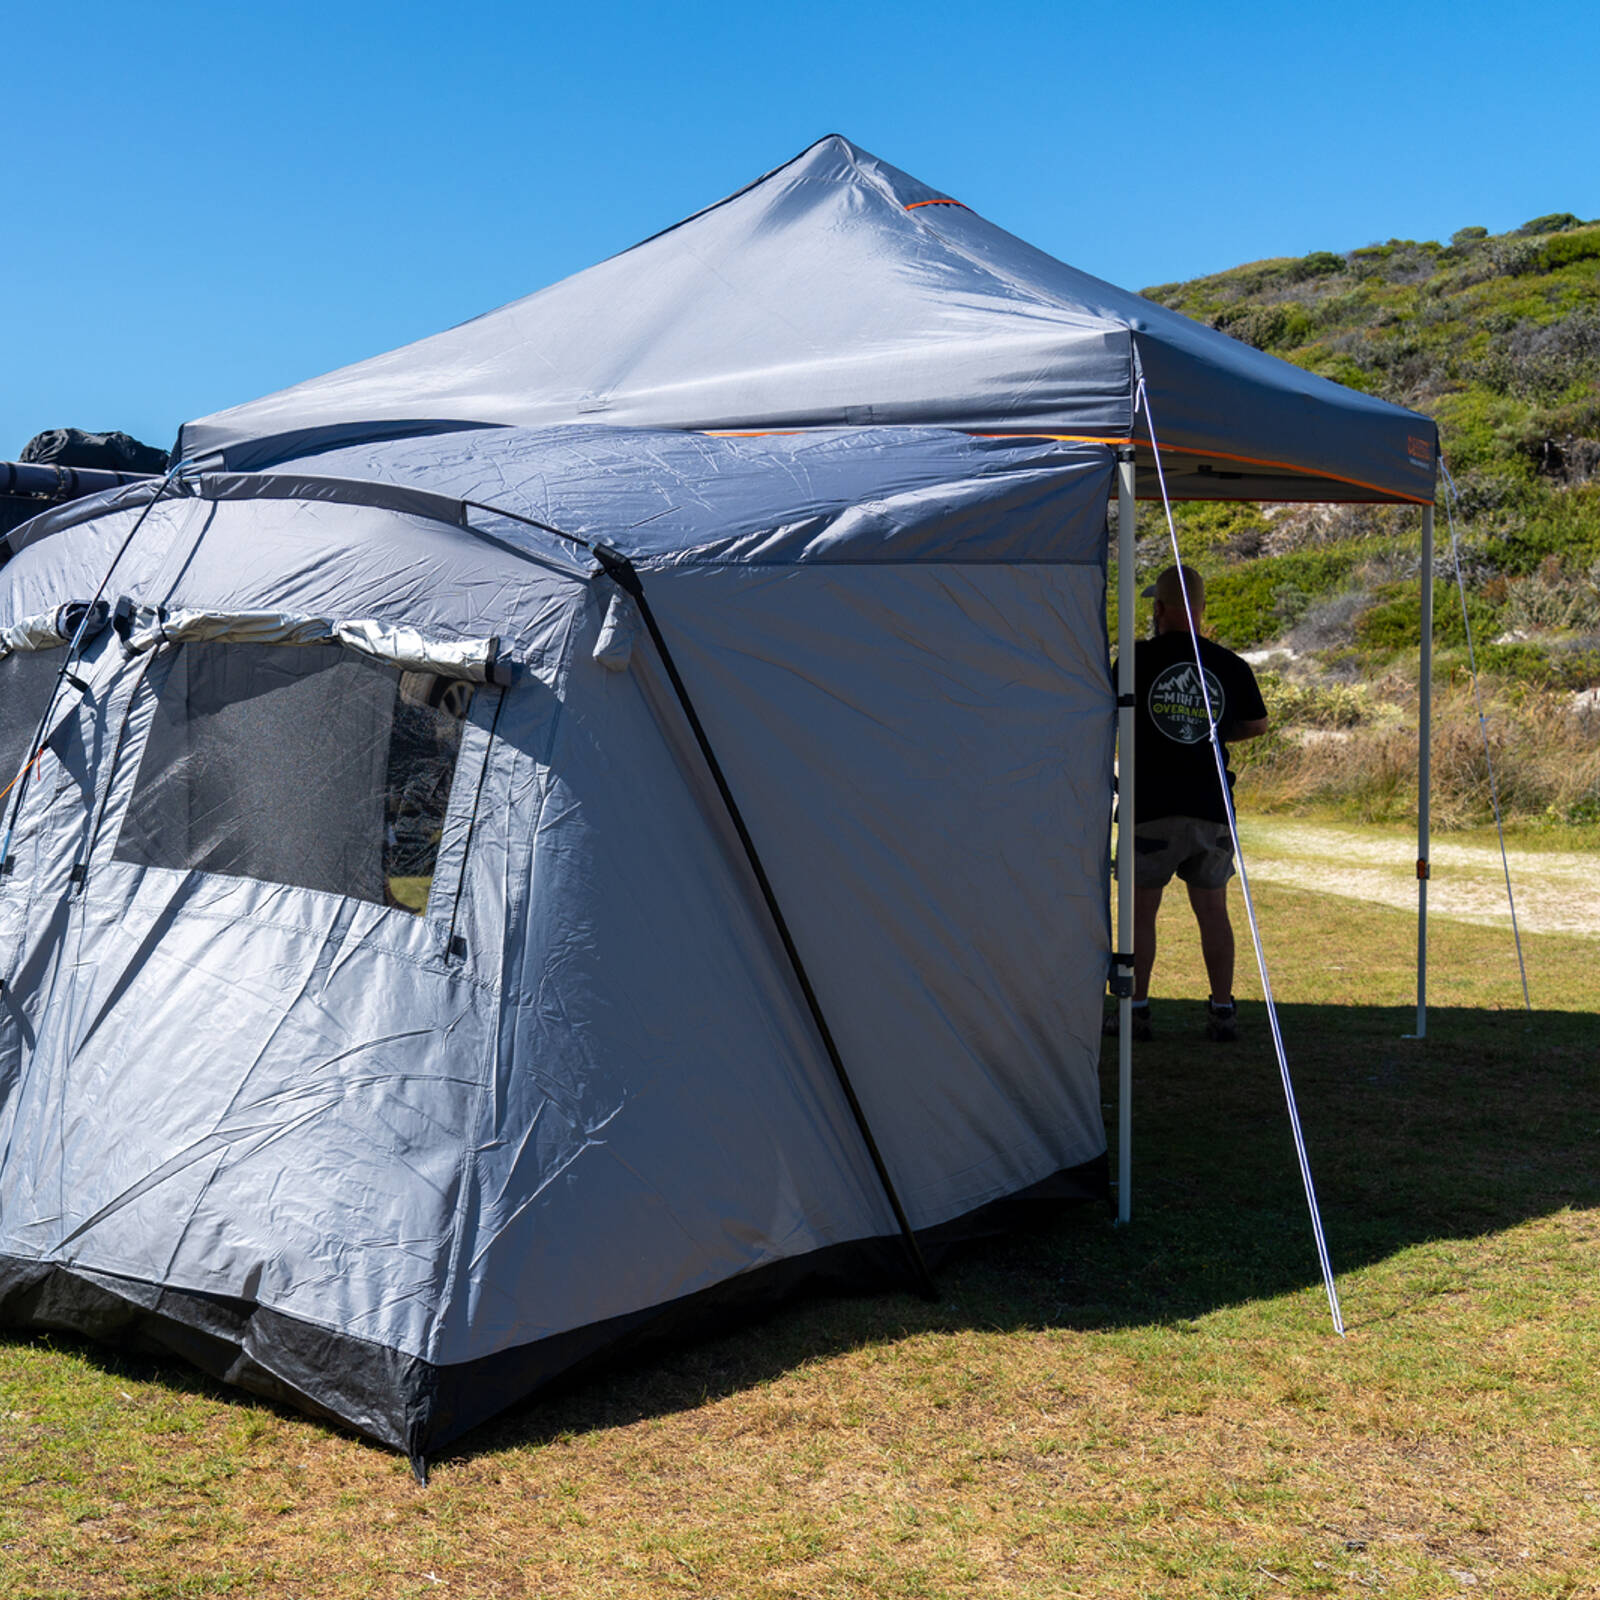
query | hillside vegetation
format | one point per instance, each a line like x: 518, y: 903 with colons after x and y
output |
x: 1498, y: 338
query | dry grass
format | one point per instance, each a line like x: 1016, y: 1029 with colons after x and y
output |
x: 1546, y: 759
x: 1154, y: 1411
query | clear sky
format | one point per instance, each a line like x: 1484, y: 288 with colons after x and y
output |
x: 209, y: 202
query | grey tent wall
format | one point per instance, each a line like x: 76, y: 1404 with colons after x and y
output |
x: 623, y: 573
x: 940, y: 855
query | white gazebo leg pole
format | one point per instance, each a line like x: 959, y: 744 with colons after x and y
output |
x: 1127, y: 625
x: 1424, y: 769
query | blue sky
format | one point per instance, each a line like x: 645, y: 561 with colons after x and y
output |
x: 209, y: 202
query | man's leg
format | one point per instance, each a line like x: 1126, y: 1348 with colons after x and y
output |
x: 1146, y: 903
x: 1216, y: 939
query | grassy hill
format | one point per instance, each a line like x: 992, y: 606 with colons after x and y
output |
x: 1498, y: 338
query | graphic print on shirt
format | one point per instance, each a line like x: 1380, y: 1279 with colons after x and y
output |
x: 1178, y: 707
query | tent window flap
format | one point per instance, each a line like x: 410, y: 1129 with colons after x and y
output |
x: 389, y: 644
x: 309, y: 766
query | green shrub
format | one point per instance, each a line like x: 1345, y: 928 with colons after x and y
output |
x: 1481, y: 428
x: 1535, y: 664
x: 1395, y: 623
x: 1284, y: 324
x: 1551, y: 222
x: 1566, y: 248
x: 1577, y: 413
x: 1319, y: 264
x: 1367, y: 262
x: 1584, y: 812
x: 1258, y: 600
x: 1338, y: 366
x: 1313, y: 705
x: 1565, y: 525
x: 1520, y: 663
x: 1209, y: 526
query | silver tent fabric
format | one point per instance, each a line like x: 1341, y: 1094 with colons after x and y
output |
x: 884, y: 494
x: 838, y: 291
x: 401, y: 1168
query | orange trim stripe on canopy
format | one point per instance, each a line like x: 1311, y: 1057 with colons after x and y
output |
x: 1094, y: 438
x: 1223, y: 455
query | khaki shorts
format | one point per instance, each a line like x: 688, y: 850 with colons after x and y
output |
x: 1199, y: 852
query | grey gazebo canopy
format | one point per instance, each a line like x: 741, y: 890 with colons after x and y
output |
x: 837, y: 291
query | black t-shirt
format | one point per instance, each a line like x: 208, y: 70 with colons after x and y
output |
x: 1177, y: 773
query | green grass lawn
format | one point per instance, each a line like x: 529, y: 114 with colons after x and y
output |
x: 1160, y: 1410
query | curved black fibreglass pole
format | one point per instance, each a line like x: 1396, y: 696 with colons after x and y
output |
x: 621, y: 571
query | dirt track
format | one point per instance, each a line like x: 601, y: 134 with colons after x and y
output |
x: 1556, y: 892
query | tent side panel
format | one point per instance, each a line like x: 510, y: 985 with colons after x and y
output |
x: 662, y: 1118
x: 923, y: 754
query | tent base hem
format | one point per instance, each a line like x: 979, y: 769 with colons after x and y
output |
x: 419, y: 1408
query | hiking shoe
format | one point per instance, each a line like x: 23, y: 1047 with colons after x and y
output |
x: 1222, y: 1022
x: 1141, y: 1023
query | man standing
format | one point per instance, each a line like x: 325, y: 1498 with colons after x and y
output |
x: 1181, y: 812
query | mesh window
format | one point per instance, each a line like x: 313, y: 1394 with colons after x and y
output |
x: 298, y: 764
x: 26, y: 679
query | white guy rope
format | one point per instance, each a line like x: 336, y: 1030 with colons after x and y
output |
x: 1142, y: 399
x: 1483, y: 727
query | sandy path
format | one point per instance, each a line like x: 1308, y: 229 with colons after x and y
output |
x: 1557, y: 891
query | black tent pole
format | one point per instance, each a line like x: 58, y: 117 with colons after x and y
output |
x: 622, y: 572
